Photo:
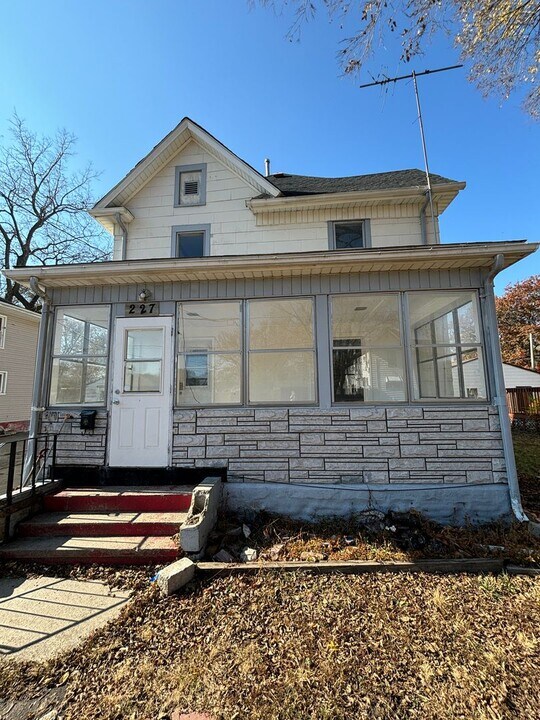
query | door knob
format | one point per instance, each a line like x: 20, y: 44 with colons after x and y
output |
x: 116, y: 402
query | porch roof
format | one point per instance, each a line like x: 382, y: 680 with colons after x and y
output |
x: 418, y: 257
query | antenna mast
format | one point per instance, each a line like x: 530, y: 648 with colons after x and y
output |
x: 414, y: 75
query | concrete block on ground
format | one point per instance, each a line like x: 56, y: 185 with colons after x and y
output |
x: 171, y: 578
x: 202, y: 515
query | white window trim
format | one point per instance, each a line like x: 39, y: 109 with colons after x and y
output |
x: 178, y: 170
x: 3, y: 382
x: 3, y: 331
x: 188, y: 229
x: 366, y: 226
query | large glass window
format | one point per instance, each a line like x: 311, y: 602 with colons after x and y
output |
x: 281, y: 351
x: 209, y: 353
x: 446, y: 345
x: 367, y: 349
x: 80, y: 355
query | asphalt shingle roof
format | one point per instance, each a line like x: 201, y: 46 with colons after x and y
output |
x: 291, y: 185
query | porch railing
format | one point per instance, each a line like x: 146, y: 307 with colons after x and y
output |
x: 18, y: 477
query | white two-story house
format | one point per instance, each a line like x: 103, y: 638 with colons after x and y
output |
x: 303, y: 336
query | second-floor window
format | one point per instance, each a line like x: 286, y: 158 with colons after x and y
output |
x: 3, y: 382
x: 190, y: 241
x: 349, y: 234
x: 3, y: 326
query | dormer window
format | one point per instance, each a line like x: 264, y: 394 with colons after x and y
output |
x: 349, y: 235
x: 190, y: 185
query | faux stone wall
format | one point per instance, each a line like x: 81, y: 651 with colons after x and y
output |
x: 454, y: 444
x: 75, y: 446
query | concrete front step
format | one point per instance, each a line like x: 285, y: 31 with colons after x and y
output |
x: 102, y: 524
x: 161, y: 498
x: 129, y: 550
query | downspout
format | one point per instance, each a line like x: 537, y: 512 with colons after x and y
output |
x: 500, y: 390
x: 123, y: 227
x: 423, y: 228
x: 37, y: 396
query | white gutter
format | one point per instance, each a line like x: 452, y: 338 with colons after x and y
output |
x: 500, y: 390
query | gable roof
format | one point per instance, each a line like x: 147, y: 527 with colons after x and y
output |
x: 295, y: 185
x: 186, y: 131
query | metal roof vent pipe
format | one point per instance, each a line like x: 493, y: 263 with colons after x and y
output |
x: 266, y: 167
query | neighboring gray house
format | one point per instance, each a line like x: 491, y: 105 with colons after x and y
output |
x: 305, y: 336
x: 18, y: 337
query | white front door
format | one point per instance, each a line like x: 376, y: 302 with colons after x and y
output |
x: 140, y: 427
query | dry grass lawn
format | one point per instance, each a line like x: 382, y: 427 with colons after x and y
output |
x: 299, y: 646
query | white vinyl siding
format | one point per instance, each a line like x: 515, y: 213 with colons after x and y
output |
x: 235, y: 229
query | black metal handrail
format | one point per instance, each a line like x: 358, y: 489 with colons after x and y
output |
x: 41, y: 473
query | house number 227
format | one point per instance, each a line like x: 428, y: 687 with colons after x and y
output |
x: 142, y: 308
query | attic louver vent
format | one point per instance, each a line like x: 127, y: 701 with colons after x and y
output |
x: 191, y: 187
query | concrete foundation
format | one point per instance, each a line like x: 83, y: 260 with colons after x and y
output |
x: 446, y: 504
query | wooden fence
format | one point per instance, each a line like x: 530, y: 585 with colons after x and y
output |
x: 524, y: 407
x: 523, y: 400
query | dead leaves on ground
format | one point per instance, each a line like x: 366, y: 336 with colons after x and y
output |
x: 283, y: 646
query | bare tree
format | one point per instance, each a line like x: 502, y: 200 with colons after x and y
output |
x: 501, y: 38
x: 42, y: 208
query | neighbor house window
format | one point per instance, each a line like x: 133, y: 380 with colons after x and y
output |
x: 446, y: 345
x: 281, y: 353
x: 190, y: 241
x: 80, y: 355
x: 3, y: 382
x: 209, y: 353
x: 3, y: 328
x: 367, y: 349
x: 190, y: 185
x: 349, y: 235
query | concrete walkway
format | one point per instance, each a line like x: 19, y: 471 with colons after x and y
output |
x: 43, y: 617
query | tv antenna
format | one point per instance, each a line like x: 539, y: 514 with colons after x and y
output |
x: 414, y: 75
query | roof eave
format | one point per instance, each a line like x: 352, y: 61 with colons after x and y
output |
x: 359, y: 197
x: 421, y: 257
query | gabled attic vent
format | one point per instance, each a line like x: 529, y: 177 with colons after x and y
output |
x: 191, y: 187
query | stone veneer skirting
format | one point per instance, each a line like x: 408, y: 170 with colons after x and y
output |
x: 406, y: 444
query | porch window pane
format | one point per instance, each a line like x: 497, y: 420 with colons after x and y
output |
x: 446, y: 346
x: 208, y: 379
x: 368, y: 357
x: 209, y: 353
x: 282, y: 377
x: 279, y: 324
x: 281, y: 357
x: 369, y: 375
x: 80, y: 355
x: 81, y: 380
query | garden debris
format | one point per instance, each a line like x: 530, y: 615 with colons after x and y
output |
x: 372, y: 536
x: 224, y: 556
x: 248, y: 555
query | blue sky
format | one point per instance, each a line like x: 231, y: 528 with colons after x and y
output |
x: 120, y: 74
